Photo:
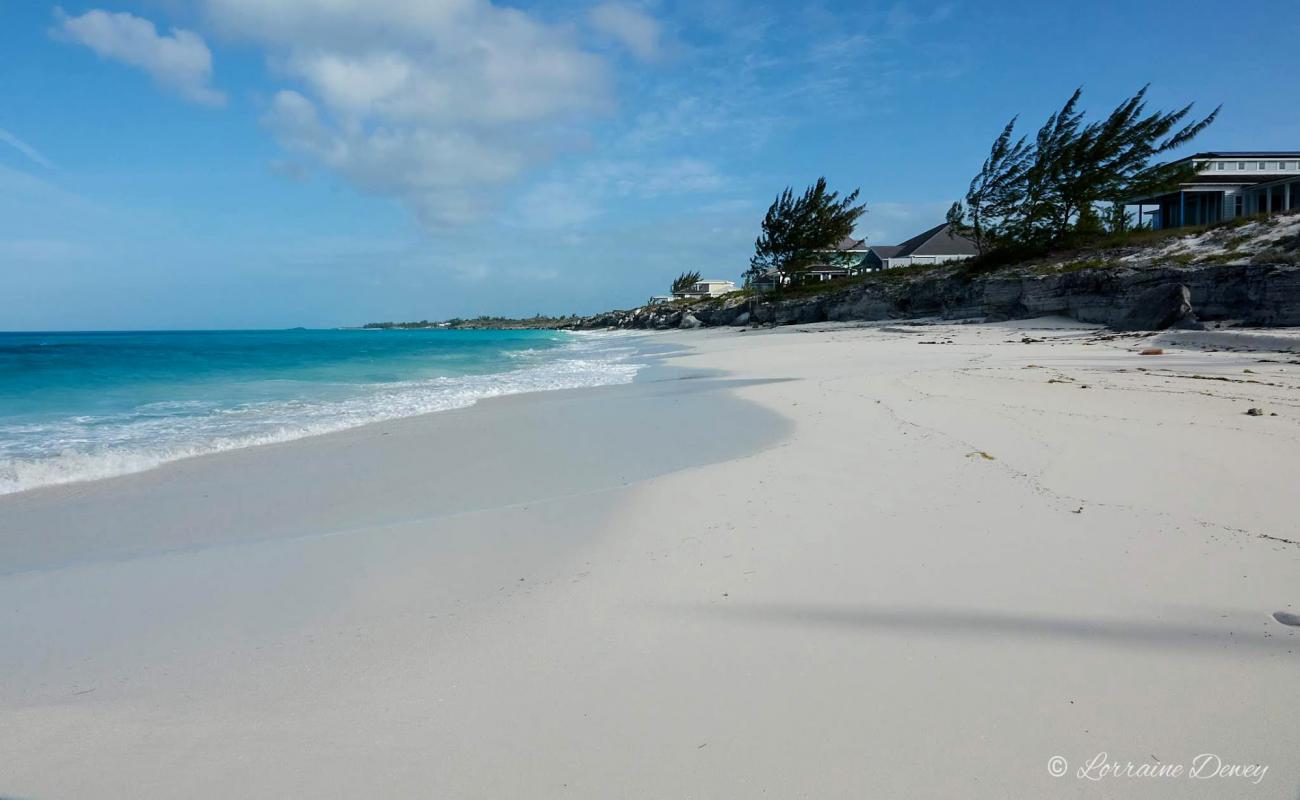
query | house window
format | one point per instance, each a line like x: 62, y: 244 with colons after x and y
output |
x: 1262, y: 165
x: 1218, y: 165
x: 1238, y: 205
x: 1241, y: 165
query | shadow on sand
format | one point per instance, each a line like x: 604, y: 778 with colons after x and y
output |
x: 1269, y: 637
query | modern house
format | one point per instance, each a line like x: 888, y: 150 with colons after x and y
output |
x: 844, y: 259
x: 707, y: 288
x: 878, y: 255
x: 935, y: 246
x: 1228, y: 184
x: 841, y: 261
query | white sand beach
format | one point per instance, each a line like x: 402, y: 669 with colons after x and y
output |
x: 823, y: 562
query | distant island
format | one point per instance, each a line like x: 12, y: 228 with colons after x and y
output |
x: 539, y: 321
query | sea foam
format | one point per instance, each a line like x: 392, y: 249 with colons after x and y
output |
x: 88, y: 447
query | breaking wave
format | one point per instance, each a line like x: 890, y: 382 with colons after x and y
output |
x: 92, y: 446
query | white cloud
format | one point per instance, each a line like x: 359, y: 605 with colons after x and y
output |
x: 24, y: 148
x: 630, y: 26
x: 582, y: 194
x: 436, y: 102
x: 555, y: 204
x: 445, y: 174
x: 179, y: 61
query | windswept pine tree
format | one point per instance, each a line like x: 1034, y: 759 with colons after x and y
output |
x: 797, y: 231
x: 685, y: 281
x: 1046, y: 194
x: 997, y: 192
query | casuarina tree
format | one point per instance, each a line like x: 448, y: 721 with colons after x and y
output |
x: 685, y: 281
x: 1045, y: 194
x: 997, y: 192
x: 798, y: 231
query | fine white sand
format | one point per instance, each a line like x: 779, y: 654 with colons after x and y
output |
x: 888, y: 561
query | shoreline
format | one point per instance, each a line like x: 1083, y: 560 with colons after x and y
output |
x: 337, y: 476
x: 133, y: 462
x: 964, y: 548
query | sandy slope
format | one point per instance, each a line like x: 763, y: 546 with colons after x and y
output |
x: 968, y: 553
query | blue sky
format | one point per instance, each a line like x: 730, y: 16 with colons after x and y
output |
x: 240, y: 163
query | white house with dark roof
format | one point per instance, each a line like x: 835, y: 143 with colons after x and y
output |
x: 706, y: 288
x: 1228, y: 184
x: 937, y: 245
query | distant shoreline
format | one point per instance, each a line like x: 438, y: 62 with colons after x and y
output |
x: 479, y: 323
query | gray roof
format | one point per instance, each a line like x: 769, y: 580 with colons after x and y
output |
x: 938, y: 241
x: 1264, y: 154
x: 885, y: 250
x: 849, y: 243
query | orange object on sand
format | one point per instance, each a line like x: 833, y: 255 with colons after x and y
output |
x: 1152, y: 351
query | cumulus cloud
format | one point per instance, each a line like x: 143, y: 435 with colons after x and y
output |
x: 437, y: 102
x: 180, y: 60
x: 629, y: 25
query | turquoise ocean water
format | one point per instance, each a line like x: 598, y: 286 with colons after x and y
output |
x: 79, y: 406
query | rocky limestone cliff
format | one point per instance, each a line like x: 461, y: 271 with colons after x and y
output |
x: 1245, y: 274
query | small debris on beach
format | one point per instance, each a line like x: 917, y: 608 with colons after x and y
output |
x: 1287, y: 618
x: 1254, y: 412
x: 1152, y: 351
x: 980, y: 454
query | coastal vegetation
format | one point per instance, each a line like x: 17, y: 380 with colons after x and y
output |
x: 1246, y: 270
x: 685, y: 281
x: 1060, y: 190
x: 797, y: 231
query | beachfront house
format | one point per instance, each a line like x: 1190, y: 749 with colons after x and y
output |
x: 765, y: 280
x: 844, y: 259
x: 706, y: 288
x: 878, y: 255
x: 937, y: 245
x: 840, y: 261
x: 1227, y: 184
